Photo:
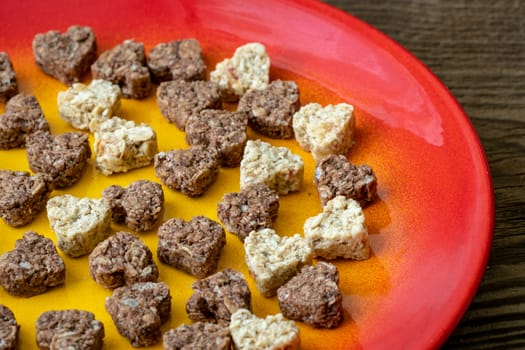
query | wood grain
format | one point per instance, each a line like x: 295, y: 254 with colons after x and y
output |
x: 477, y: 48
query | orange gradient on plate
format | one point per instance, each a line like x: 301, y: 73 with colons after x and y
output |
x: 421, y: 159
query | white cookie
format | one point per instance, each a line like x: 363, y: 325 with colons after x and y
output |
x: 276, y: 167
x: 79, y: 223
x: 121, y: 145
x: 272, y: 260
x: 271, y: 333
x: 249, y: 68
x: 339, y: 231
x: 86, y: 106
x: 324, y: 130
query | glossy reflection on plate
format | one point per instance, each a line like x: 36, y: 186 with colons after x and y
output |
x: 430, y: 230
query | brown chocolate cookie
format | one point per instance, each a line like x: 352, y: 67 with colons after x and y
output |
x: 69, y: 329
x: 122, y: 259
x: 67, y: 56
x: 63, y: 157
x: 8, y: 84
x: 22, y: 196
x: 139, y: 310
x: 23, y: 116
x: 32, y: 267
x: 192, y: 246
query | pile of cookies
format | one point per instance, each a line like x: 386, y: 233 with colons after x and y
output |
x: 220, y: 307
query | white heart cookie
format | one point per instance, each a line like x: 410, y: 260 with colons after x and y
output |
x: 272, y: 260
x: 271, y: 333
x: 324, y: 130
x: 339, y: 231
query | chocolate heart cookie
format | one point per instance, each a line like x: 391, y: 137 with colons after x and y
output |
x: 69, y: 329
x: 63, y: 157
x: 67, y: 56
x: 254, y: 208
x: 32, y: 267
x: 139, y: 310
x: 8, y: 85
x: 23, y: 116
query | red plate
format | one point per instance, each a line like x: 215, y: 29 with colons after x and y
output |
x: 431, y: 230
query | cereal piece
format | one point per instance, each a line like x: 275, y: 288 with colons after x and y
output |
x: 200, y: 335
x: 313, y: 296
x: 9, y: 329
x: 276, y: 167
x: 191, y: 171
x: 177, y: 60
x: 218, y: 296
x: 22, y: 196
x: 274, y: 332
x: 122, y: 145
x: 272, y: 260
x: 271, y: 110
x: 122, y: 259
x: 139, y: 310
x: 339, y: 231
x: 67, y: 56
x: 222, y: 130
x: 254, y: 208
x: 32, y: 267
x: 8, y: 85
x: 79, y: 223
x: 86, y: 106
x: 23, y: 116
x: 139, y: 205
x: 62, y: 157
x: 125, y: 65
x: 179, y: 99
x: 336, y: 176
x: 69, y: 329
x: 324, y: 130
x: 192, y: 246
x: 248, y: 69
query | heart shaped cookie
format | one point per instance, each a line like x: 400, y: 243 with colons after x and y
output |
x: 271, y: 109
x: 79, y: 223
x: 23, y: 116
x: 63, y: 157
x: 69, y: 329
x: 32, y: 267
x: 192, y: 246
x: 122, y: 259
x: 313, y: 296
x: 198, y: 335
x: 272, y: 332
x: 272, y: 260
x: 216, y: 297
x: 139, y: 205
x: 22, y: 196
x: 277, y: 167
x: 339, y: 231
x: 254, y: 208
x: 336, y: 176
x: 9, y: 329
x: 324, y: 130
x: 192, y: 170
x: 177, y: 60
x: 139, y: 310
x: 67, y: 56
x: 8, y: 84
x: 125, y: 65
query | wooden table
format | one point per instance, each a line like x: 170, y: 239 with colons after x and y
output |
x: 477, y: 48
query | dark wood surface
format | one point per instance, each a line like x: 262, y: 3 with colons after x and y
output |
x: 477, y: 48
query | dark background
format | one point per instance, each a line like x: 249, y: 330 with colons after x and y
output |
x: 477, y: 48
